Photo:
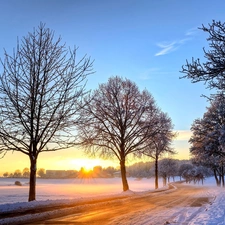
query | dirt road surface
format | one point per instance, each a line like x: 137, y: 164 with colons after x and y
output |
x: 174, y: 206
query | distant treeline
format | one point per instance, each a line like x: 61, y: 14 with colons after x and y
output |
x: 168, y: 169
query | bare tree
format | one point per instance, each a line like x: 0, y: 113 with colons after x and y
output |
x: 160, y: 143
x: 118, y: 121
x: 41, y: 87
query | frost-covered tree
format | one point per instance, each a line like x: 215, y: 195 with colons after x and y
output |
x: 117, y: 121
x: 41, y: 87
x: 212, y: 71
x: 195, y: 174
x: 167, y: 168
x: 160, y: 143
x: 207, y: 141
x: 184, y: 167
x: 140, y: 169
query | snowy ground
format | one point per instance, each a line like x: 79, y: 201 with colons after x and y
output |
x: 72, y: 191
x: 54, y: 189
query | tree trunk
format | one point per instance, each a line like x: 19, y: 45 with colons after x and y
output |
x: 156, y: 174
x: 164, y: 180
x: 220, y: 181
x: 222, y: 175
x: 33, y: 169
x: 216, y: 178
x: 123, y: 175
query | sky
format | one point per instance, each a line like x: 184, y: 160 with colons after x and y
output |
x: 145, y: 41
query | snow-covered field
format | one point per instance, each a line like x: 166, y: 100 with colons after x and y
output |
x: 54, y: 191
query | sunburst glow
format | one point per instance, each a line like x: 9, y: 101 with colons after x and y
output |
x: 85, y: 163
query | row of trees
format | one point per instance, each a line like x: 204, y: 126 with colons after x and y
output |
x: 97, y: 171
x: 168, y: 169
x: 18, y: 173
x: 208, y: 138
x: 44, y: 107
x: 25, y: 173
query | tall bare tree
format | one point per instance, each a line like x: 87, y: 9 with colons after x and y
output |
x: 41, y: 87
x: 118, y: 121
x: 160, y: 143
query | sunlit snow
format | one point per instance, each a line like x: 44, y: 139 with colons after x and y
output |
x: 53, y: 191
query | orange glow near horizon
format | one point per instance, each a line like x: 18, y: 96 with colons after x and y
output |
x: 61, y: 160
x: 73, y: 159
x: 58, y: 163
x: 86, y: 163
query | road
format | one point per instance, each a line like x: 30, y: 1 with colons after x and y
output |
x: 174, y: 206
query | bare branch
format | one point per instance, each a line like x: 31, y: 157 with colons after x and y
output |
x: 212, y: 71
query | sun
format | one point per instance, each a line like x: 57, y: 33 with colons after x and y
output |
x: 73, y: 163
x: 85, y: 170
x: 85, y: 163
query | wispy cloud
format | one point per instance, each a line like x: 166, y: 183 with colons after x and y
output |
x: 183, y: 135
x: 191, y: 31
x: 168, y: 47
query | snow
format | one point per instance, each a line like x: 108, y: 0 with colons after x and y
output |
x: 13, y: 199
x: 213, y: 213
x: 54, y: 189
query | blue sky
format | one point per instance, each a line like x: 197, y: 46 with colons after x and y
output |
x: 146, y: 41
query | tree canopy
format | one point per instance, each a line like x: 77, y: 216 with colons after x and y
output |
x: 118, y: 119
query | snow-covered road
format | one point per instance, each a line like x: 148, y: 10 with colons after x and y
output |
x: 179, y: 207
